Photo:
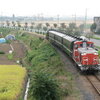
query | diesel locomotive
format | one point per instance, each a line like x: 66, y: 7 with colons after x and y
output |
x: 79, y: 49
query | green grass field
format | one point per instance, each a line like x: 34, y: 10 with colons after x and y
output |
x: 12, y: 79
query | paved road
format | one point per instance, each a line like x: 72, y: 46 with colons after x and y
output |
x: 96, y: 42
x: 97, y: 36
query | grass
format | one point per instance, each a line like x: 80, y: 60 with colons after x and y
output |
x: 11, y: 81
x: 10, y: 56
x: 97, y: 38
x: 98, y: 50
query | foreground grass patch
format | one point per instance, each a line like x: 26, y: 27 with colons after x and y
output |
x: 11, y: 81
x: 10, y: 56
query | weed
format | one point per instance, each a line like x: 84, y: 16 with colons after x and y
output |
x: 10, y: 56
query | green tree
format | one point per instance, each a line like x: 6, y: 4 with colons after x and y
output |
x: 45, y: 28
x: 18, y: 24
x: 7, y: 23
x: 47, y: 24
x: 32, y: 25
x: 44, y: 87
x: 63, y: 26
x: 26, y: 25
x: 73, y: 30
x: 93, y: 27
x: 39, y: 26
x: 13, y: 24
x: 89, y: 35
x: 81, y: 27
x: 2, y: 24
x: 72, y: 25
x: 55, y: 25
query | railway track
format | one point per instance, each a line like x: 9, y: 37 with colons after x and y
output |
x: 95, y: 82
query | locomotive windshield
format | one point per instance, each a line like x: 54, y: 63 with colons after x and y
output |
x: 91, y: 45
x: 84, y: 44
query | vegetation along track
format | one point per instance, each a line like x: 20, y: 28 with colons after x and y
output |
x: 95, y: 82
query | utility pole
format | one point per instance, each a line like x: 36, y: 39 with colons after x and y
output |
x: 74, y: 18
x: 13, y: 17
x: 85, y: 20
x: 58, y: 19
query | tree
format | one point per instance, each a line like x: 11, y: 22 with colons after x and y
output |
x: 26, y: 25
x: 73, y: 30
x: 81, y: 27
x: 89, y: 35
x: 39, y: 26
x: 13, y: 24
x: 18, y: 24
x: 55, y: 25
x: 63, y: 26
x: 93, y: 27
x: 72, y: 25
x: 47, y: 24
x: 2, y: 24
x: 8, y: 23
x: 32, y: 25
x: 45, y: 28
x: 44, y: 87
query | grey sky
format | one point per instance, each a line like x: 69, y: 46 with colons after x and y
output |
x: 49, y: 7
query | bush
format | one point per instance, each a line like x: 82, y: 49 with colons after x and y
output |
x: 99, y: 53
x: 1, y: 52
x: 44, y: 87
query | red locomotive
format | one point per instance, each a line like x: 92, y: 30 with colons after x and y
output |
x: 81, y: 50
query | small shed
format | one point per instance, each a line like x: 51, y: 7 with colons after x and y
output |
x: 10, y: 37
x: 2, y: 40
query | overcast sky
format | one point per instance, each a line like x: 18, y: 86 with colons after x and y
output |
x: 50, y: 7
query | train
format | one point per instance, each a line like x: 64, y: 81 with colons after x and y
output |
x: 80, y: 49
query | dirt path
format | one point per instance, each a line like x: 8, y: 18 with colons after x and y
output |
x: 19, y: 50
x: 86, y: 90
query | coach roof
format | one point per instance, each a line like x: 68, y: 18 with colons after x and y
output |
x: 57, y: 33
x: 69, y: 38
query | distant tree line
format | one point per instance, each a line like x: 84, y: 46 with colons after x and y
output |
x: 72, y: 28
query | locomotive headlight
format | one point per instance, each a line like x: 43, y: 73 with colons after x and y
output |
x: 95, y: 53
x: 83, y: 54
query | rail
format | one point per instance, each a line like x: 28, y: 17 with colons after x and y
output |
x: 95, y: 82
